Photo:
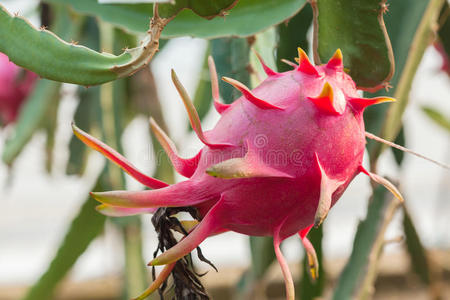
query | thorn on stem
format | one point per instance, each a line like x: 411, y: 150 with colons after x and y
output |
x: 384, y: 7
x: 155, y: 11
x: 387, y: 86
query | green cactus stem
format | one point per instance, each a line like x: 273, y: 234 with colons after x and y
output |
x: 361, y: 36
x: 44, y: 53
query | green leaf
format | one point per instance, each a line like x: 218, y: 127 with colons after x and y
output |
x: 291, y: 35
x: 231, y: 56
x: 30, y: 118
x: 357, y: 28
x: 135, y: 17
x: 357, y: 278
x: 437, y: 117
x: 87, y: 225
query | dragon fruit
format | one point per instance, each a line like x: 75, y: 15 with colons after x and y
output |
x: 278, y: 159
x: 15, y: 84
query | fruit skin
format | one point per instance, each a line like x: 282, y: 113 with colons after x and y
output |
x: 278, y: 159
x: 15, y: 85
x: 445, y: 66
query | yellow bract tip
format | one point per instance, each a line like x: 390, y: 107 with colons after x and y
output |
x: 337, y: 54
x: 301, y: 55
x: 336, y: 60
x: 385, y: 99
x: 327, y: 91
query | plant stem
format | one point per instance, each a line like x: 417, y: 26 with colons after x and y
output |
x: 107, y: 104
x: 135, y: 275
x: 421, y: 41
x: 367, y: 285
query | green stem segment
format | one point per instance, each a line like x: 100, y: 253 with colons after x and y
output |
x: 135, y: 275
x: 421, y: 41
x: 46, y: 54
x: 358, y: 29
x: 357, y: 279
x: 107, y: 105
x: 135, y: 271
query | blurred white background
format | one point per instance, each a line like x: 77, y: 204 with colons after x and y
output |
x: 36, y: 209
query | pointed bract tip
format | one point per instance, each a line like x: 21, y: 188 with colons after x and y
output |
x: 218, y: 105
x: 154, y: 286
x: 383, y: 181
x: 269, y: 72
x: 327, y: 91
x: 313, y: 267
x: 304, y: 65
x: 152, y: 263
x: 96, y: 195
x: 75, y: 129
x: 247, y: 93
x: 211, y: 63
x: 83, y: 136
x: 336, y: 60
x: 324, y: 101
x: 173, y: 74
x: 106, y: 197
x: 152, y: 123
x: 156, y: 129
x: 301, y: 55
x: 360, y: 104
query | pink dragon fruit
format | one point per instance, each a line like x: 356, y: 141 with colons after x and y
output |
x: 15, y: 84
x: 276, y: 162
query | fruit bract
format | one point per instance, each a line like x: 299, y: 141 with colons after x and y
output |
x: 278, y: 159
